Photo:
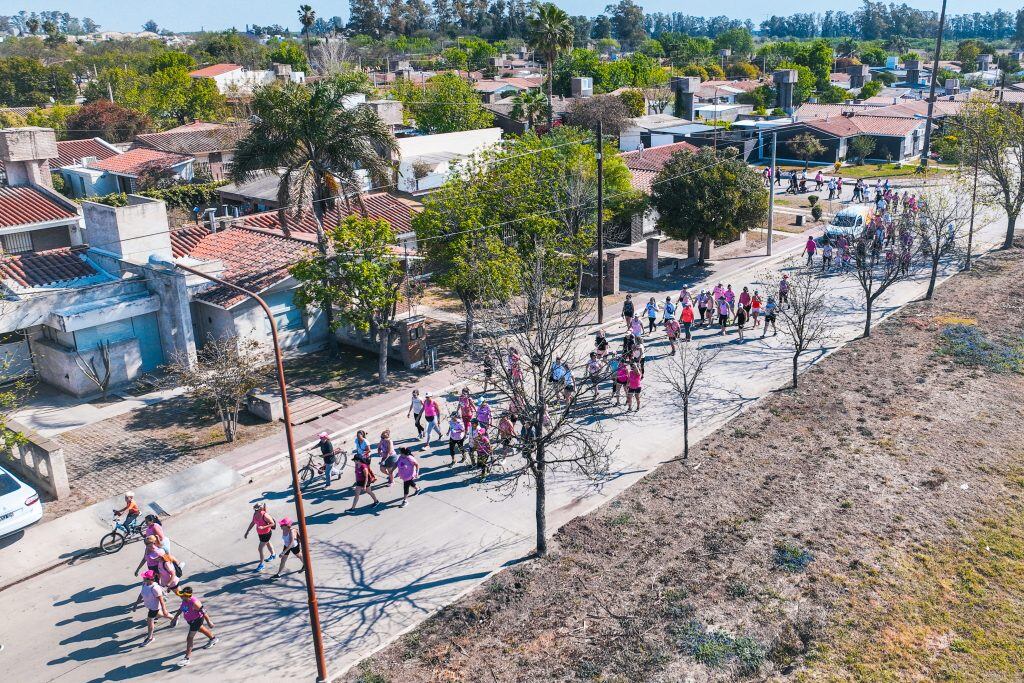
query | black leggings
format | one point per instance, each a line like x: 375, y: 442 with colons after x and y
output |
x: 651, y: 324
x: 456, y: 443
x: 419, y: 425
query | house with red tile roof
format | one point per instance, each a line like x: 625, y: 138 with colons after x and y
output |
x: 258, y: 260
x: 212, y: 145
x: 235, y: 80
x: 92, y: 177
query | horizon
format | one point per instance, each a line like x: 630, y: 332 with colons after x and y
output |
x: 236, y: 14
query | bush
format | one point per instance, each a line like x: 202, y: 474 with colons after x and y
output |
x: 816, y: 212
x: 176, y: 196
x: 791, y: 557
x: 812, y: 199
x: 716, y: 649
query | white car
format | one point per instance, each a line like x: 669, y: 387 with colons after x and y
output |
x: 19, y: 504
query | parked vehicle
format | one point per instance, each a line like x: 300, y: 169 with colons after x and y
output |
x: 19, y: 504
x: 850, y: 221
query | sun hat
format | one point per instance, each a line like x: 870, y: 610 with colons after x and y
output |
x: 286, y: 521
x: 148, y: 574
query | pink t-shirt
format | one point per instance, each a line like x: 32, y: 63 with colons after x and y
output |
x: 168, y: 579
x: 635, y: 379
x: 191, y: 609
x: 430, y: 408
x: 744, y: 299
x: 407, y: 467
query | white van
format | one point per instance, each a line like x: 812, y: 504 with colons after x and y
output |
x: 850, y: 221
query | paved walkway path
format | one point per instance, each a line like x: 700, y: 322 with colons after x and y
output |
x: 380, y: 571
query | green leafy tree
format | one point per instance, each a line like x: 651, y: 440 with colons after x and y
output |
x: 743, y: 71
x: 463, y: 246
x: 708, y: 195
x: 805, y: 147
x: 55, y: 117
x: 652, y: 48
x: 860, y: 147
x: 361, y: 276
x: 287, y: 52
x: 322, y: 147
x: 635, y: 102
x: 27, y: 82
x: 967, y: 52
x: 738, y: 40
x: 171, y: 94
x: 550, y: 34
x: 873, y: 55
x: 627, y: 22
x: 170, y: 58
x: 579, y: 62
x: 455, y: 58
x: 448, y: 104
x: 870, y: 89
x: 833, y: 94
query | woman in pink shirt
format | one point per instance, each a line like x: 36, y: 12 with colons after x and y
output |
x: 466, y: 408
x: 431, y: 410
x: 197, y: 619
x: 634, y: 383
x: 151, y: 555
x: 168, y: 575
x: 408, y: 472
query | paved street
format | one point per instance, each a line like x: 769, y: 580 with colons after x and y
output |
x: 379, y: 572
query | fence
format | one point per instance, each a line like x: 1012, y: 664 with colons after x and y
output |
x: 39, y: 461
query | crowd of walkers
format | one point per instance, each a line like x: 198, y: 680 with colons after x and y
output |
x: 162, y: 578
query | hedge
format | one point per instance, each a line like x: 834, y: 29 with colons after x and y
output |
x: 177, y: 196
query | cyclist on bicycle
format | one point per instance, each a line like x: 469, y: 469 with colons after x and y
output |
x: 130, y: 507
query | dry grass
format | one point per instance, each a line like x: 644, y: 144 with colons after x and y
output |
x: 866, y: 527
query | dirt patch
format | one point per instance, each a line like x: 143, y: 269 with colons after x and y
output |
x: 864, y: 527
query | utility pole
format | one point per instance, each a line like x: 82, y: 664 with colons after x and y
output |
x: 974, y: 198
x: 771, y: 195
x: 931, y: 89
x: 600, y: 222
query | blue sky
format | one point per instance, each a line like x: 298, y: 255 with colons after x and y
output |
x: 185, y: 15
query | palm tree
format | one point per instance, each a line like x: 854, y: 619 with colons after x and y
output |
x: 848, y: 47
x: 307, y: 16
x: 898, y: 44
x: 529, y: 105
x: 551, y: 32
x: 320, y: 147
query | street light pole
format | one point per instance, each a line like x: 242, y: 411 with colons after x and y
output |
x: 600, y: 222
x: 771, y: 195
x: 931, y: 90
x: 300, y: 513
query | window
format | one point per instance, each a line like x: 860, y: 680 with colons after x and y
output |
x: 91, y: 337
x: 287, y: 316
x: 17, y: 242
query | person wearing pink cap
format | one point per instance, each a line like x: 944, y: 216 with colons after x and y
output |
x: 153, y: 596
x: 290, y: 544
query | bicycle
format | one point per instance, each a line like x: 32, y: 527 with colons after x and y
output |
x: 115, y: 540
x: 312, y: 470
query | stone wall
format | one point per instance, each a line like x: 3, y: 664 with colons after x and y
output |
x: 39, y: 461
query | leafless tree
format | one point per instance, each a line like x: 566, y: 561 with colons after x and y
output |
x: 940, y: 225
x: 878, y: 267
x: 227, y: 369
x: 658, y: 99
x: 332, y: 56
x: 559, y: 431
x: 100, y: 376
x: 686, y: 374
x: 806, y: 317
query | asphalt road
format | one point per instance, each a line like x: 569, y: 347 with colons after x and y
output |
x: 380, y: 572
